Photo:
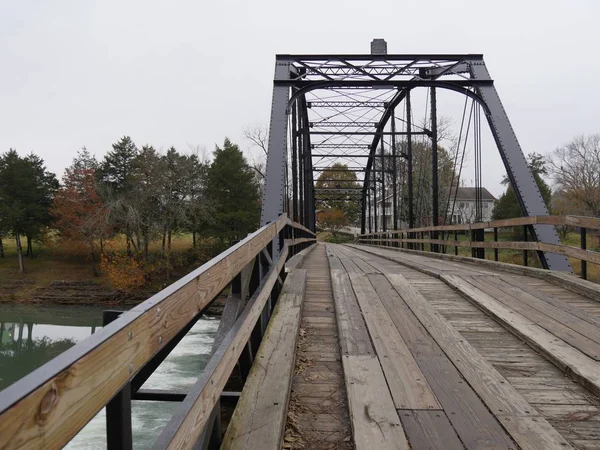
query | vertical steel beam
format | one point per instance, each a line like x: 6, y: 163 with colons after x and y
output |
x: 383, y: 208
x: 274, y: 188
x: 369, y: 211
x: 434, y: 167
x: 434, y: 159
x: 526, y: 189
x: 374, y: 177
x: 409, y: 156
x: 295, y: 162
x: 301, y: 139
x: 309, y: 197
x: 394, y: 173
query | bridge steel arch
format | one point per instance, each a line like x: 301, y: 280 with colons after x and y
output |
x: 341, y: 106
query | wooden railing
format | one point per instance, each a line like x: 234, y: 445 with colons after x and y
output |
x: 416, y: 238
x: 48, y: 407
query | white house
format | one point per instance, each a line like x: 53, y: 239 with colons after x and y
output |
x: 464, y: 208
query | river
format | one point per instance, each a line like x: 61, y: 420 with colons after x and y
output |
x: 32, y: 335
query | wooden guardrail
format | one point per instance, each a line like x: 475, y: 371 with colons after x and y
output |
x: 48, y: 407
x: 416, y: 238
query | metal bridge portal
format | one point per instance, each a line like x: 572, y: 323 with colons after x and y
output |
x: 346, y: 108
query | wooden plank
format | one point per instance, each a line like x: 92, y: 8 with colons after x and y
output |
x: 493, y: 389
x: 541, y: 293
x: 296, y: 261
x: 319, y: 416
x: 406, y: 382
x: 499, y: 396
x: 429, y: 430
x: 562, y: 315
x: 375, y: 423
x: 473, y: 422
x: 190, y: 418
x: 567, y: 358
x: 572, y: 337
x: 67, y: 392
x: 259, y: 418
x: 354, y: 337
x: 412, y: 331
x: 534, y: 433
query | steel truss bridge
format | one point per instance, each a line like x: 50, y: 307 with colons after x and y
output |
x: 346, y: 108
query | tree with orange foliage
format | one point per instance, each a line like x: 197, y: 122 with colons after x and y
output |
x: 81, y: 215
x: 333, y: 219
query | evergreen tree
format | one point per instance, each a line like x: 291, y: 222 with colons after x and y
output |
x: 116, y: 177
x: 232, y: 188
x: 26, y: 193
x: 507, y: 206
x: 148, y: 175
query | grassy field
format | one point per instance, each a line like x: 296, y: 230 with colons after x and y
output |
x: 53, y: 262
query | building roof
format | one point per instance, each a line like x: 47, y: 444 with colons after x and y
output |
x: 468, y: 193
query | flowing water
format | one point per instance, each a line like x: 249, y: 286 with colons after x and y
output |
x: 32, y: 335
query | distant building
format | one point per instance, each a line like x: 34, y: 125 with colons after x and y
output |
x: 464, y: 208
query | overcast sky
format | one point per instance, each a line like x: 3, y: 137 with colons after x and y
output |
x: 185, y: 73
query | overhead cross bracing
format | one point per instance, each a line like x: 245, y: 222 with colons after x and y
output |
x: 356, y: 110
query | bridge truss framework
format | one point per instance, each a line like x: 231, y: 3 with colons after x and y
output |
x: 344, y: 108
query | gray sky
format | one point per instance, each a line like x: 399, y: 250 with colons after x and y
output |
x: 185, y: 73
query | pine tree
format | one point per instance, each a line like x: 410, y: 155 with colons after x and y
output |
x: 507, y: 206
x: 232, y: 188
x: 116, y: 177
x: 27, y: 189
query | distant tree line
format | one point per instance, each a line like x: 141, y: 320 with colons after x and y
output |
x: 137, y: 192
x: 575, y: 171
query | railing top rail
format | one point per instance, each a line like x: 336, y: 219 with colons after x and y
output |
x: 56, y: 397
x: 574, y: 221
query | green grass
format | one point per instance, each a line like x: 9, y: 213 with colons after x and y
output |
x: 54, y: 262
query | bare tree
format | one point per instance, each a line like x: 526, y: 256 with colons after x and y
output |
x: 576, y: 171
x: 258, y: 135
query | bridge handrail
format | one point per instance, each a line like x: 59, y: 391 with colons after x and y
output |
x: 50, y: 405
x: 411, y: 237
x: 573, y: 221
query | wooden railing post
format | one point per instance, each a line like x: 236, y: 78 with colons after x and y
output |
x: 118, y: 410
x: 525, y: 256
x: 455, y: 242
x: 583, y: 237
x: 495, y: 240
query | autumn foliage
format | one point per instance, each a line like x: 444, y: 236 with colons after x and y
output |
x: 124, y: 272
x: 80, y: 212
x: 333, y: 219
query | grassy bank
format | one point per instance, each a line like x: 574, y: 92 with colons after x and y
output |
x: 53, y: 262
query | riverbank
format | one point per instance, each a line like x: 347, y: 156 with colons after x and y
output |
x: 63, y: 276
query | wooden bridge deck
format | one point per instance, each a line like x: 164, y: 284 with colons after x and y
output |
x: 398, y: 350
